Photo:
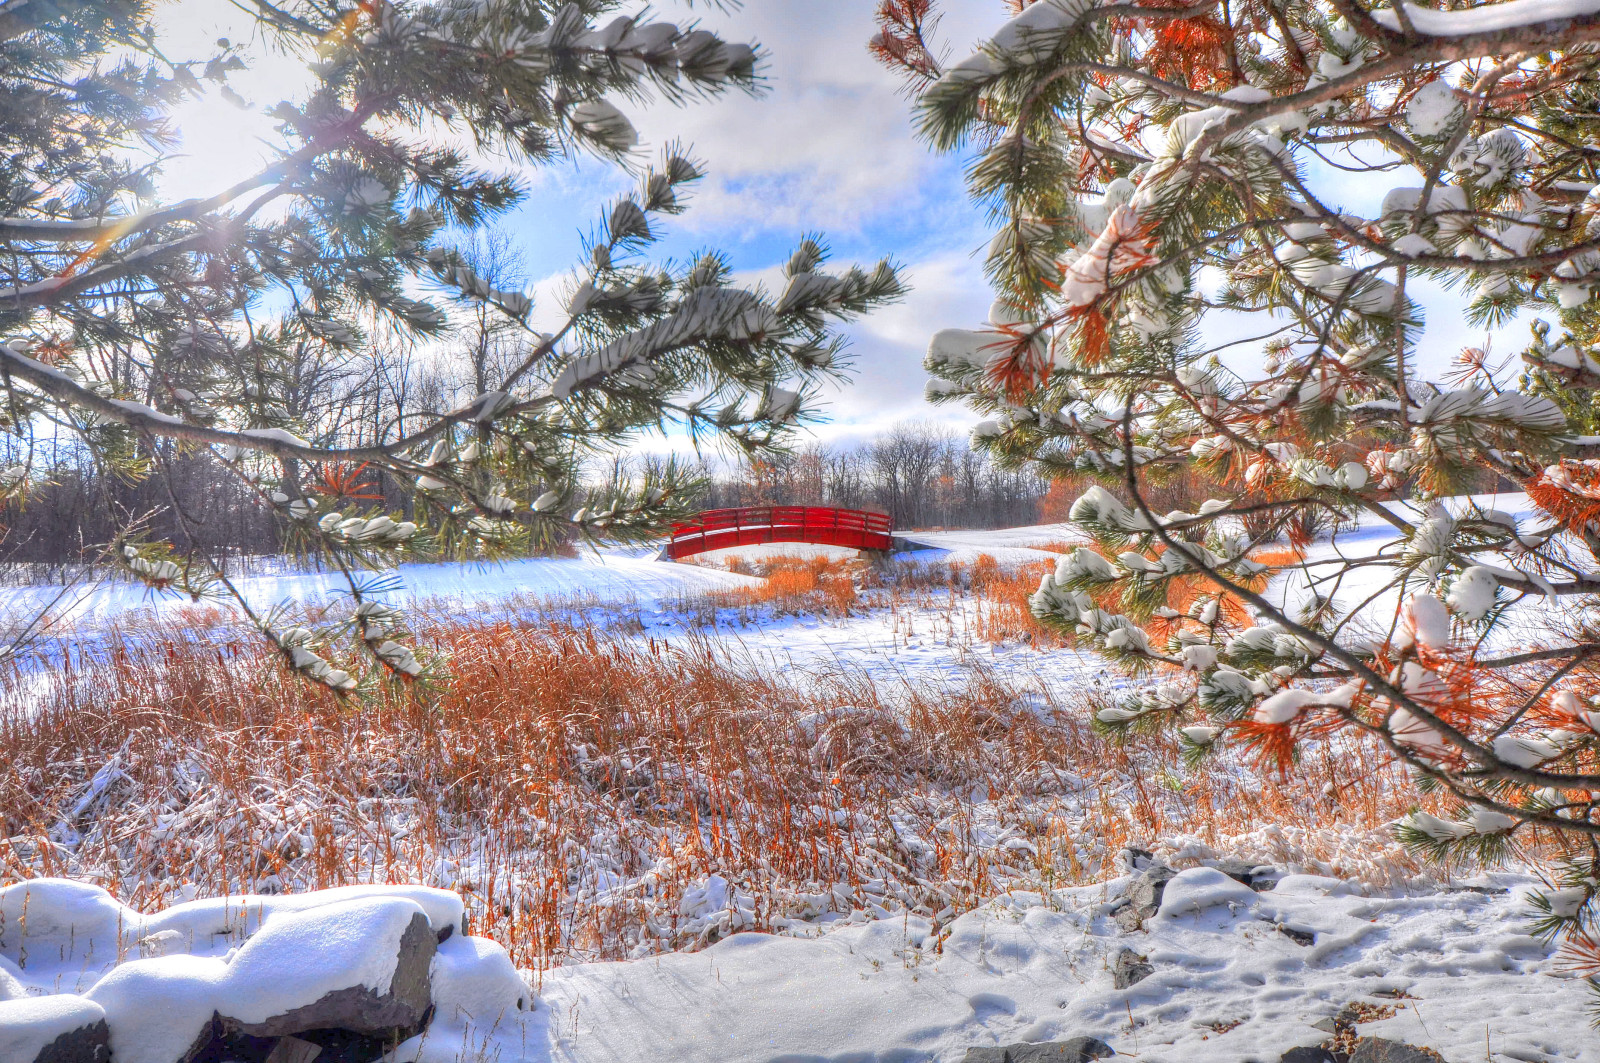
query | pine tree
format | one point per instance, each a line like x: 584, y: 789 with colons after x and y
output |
x: 1159, y: 175
x: 144, y: 329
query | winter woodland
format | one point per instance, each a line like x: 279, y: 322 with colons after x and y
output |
x: 1231, y: 690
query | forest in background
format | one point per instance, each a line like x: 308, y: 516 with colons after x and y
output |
x: 922, y: 475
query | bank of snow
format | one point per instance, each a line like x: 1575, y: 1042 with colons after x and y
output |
x: 611, y: 577
x: 1454, y: 971
x: 1457, y: 969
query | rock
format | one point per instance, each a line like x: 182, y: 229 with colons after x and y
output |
x: 1199, y: 888
x: 360, y: 967
x: 1144, y: 895
x: 1378, y: 1050
x: 1237, y: 870
x: 1129, y: 969
x: 1136, y: 859
x: 1072, y: 1050
x: 161, y: 1010
x: 1316, y: 1054
x: 1299, y: 937
x: 341, y: 1046
x: 86, y: 1044
x: 293, y: 1050
x: 62, y: 1028
x: 1259, y: 877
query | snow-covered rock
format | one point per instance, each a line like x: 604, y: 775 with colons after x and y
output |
x: 1199, y: 888
x: 200, y: 977
x: 476, y: 992
x: 52, y: 1029
x: 159, y: 1010
x: 360, y: 965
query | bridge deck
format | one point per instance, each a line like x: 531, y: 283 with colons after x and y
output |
x: 716, y: 529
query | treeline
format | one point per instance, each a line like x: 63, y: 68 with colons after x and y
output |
x: 922, y: 475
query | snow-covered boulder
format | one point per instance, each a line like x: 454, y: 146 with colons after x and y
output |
x: 160, y: 1010
x: 82, y: 924
x: 370, y: 963
x: 53, y: 1029
x: 476, y: 991
x: 361, y: 966
x: 1200, y: 888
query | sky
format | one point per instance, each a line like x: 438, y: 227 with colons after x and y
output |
x: 828, y: 148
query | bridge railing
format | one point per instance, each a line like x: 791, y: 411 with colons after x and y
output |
x: 716, y: 529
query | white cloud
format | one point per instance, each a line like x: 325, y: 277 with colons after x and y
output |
x: 887, y: 378
x: 830, y: 146
x: 830, y: 143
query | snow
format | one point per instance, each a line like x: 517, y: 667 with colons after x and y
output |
x: 476, y: 993
x: 1488, y: 18
x: 601, y: 577
x: 1031, y: 967
x: 298, y: 958
x: 84, y: 924
x: 1117, y: 248
x: 248, y: 958
x: 29, y: 1025
x: 1371, y: 534
x: 158, y: 1008
x: 11, y: 987
x: 1473, y: 593
x: 1432, y: 109
x: 1200, y: 888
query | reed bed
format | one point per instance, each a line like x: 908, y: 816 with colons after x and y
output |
x: 604, y: 795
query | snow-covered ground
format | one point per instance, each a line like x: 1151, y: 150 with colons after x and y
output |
x: 601, y: 577
x: 1450, y: 970
x: 1456, y: 969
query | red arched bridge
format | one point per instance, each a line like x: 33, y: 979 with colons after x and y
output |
x: 715, y: 529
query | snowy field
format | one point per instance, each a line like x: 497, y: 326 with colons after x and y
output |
x: 1430, y: 962
x: 603, y: 586
x: 1226, y: 983
x: 1454, y: 971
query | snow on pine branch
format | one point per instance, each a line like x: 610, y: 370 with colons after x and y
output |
x: 1486, y: 19
x: 1179, y: 286
x: 127, y: 332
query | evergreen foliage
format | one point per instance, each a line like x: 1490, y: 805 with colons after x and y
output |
x: 1155, y: 167
x: 137, y: 326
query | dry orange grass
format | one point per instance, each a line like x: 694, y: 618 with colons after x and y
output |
x: 816, y: 585
x: 1003, y: 614
x: 574, y: 789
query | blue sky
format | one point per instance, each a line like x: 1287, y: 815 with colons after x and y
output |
x: 829, y: 148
